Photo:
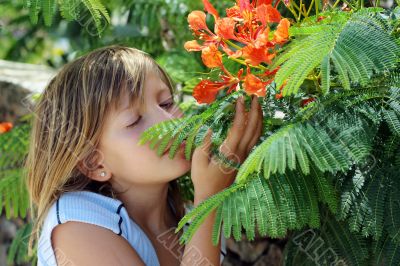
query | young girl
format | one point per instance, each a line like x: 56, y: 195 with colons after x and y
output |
x: 99, y: 198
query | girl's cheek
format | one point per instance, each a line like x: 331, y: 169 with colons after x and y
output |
x: 135, y: 133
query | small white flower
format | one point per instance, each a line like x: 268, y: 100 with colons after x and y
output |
x: 279, y: 115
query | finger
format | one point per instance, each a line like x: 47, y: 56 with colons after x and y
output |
x: 252, y: 124
x: 235, y: 133
x: 201, y: 153
x: 258, y: 130
x: 256, y: 136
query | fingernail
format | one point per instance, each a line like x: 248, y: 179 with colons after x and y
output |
x: 242, y: 99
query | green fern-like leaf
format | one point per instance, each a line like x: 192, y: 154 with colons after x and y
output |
x: 49, y: 8
x: 386, y: 252
x: 13, y: 194
x: 350, y: 43
x: 333, y: 244
x: 392, y: 214
x: 98, y: 12
x: 326, y: 149
x: 393, y: 121
x: 270, y: 207
x: 70, y: 10
x: 34, y: 9
x: 18, y: 250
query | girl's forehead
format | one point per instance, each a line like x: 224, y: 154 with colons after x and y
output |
x: 152, y: 87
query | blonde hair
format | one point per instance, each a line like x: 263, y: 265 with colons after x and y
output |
x: 68, y: 121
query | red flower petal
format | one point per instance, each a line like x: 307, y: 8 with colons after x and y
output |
x: 211, y: 56
x: 267, y: 14
x: 210, y: 8
x: 193, y: 46
x: 256, y: 56
x: 244, y: 5
x: 254, y: 85
x: 263, y: 39
x: 197, y: 20
x: 262, y: 2
x: 282, y: 31
x: 206, y: 91
x: 225, y: 28
x: 233, y: 12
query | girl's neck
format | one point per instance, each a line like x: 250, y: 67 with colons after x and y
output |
x: 149, y: 208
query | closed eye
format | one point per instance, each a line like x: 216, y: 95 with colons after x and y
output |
x: 167, y: 105
x: 164, y: 105
x: 136, y: 122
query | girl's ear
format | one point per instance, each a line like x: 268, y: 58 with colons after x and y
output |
x: 94, y: 168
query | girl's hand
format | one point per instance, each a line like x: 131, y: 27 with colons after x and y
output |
x: 210, y: 176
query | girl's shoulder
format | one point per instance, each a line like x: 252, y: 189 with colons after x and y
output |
x: 97, y: 209
x: 91, y: 207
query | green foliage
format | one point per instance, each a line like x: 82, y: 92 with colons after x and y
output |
x: 13, y: 194
x: 181, y: 66
x: 333, y: 244
x: 18, y: 250
x: 261, y: 203
x: 331, y: 165
x: 70, y: 10
x: 350, y: 41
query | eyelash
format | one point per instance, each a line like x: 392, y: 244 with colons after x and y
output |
x: 167, y: 105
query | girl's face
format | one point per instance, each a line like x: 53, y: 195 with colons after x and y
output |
x: 129, y: 162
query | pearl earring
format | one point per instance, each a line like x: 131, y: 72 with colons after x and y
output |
x: 103, y: 173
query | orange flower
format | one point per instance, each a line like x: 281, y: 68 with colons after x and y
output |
x: 233, y: 12
x: 255, y: 56
x: 211, y: 56
x: 197, y: 21
x: 225, y: 28
x: 282, y: 31
x: 244, y: 33
x: 242, y: 25
x: 263, y: 39
x: 193, y: 46
x: 267, y: 13
x: 254, y: 85
x: 210, y: 8
x: 269, y: 73
x: 206, y: 91
x: 5, y: 127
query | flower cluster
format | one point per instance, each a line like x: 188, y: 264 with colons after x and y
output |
x: 244, y: 36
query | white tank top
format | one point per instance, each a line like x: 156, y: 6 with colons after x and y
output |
x: 97, y: 209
